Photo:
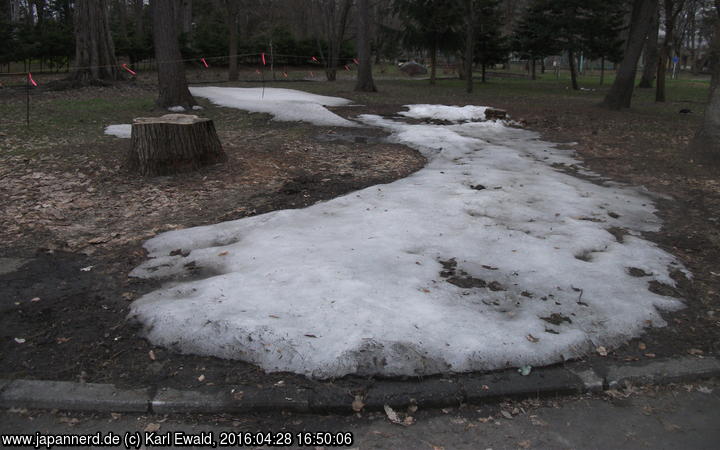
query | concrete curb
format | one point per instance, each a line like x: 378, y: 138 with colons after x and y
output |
x: 435, y: 392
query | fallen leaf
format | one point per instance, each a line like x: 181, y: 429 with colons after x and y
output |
x: 115, y: 416
x: 20, y: 340
x: 223, y: 253
x: 506, y: 414
x: 650, y: 355
x: 310, y: 336
x: 86, y: 269
x: 72, y: 421
x: 201, y: 378
x: 238, y: 395
x: 642, y: 346
x: 394, y: 417
x: 357, y: 404
x: 152, y: 427
x: 62, y: 340
x: 602, y: 351
x: 36, y: 299
x: 695, y: 351
x: 151, y: 355
x: 524, y: 444
x: 532, y: 338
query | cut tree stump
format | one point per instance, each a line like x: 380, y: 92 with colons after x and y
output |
x: 173, y: 143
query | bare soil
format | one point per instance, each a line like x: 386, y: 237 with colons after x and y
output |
x: 80, y: 220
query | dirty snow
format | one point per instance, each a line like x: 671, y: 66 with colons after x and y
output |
x: 123, y: 131
x: 443, y: 112
x: 176, y: 109
x: 451, y: 269
x: 287, y: 105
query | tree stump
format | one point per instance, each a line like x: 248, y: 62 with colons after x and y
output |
x: 173, y: 143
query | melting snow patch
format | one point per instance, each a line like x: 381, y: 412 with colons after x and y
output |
x: 487, y: 258
x: 176, y: 109
x: 443, y: 112
x: 123, y: 131
x: 286, y: 105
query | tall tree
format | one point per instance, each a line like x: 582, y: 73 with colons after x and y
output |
x: 672, y: 10
x: 620, y: 94
x: 433, y: 25
x: 333, y: 16
x: 705, y: 147
x: 232, y: 20
x: 172, y: 84
x: 469, y: 43
x: 94, y: 48
x: 651, y: 54
x: 365, y: 81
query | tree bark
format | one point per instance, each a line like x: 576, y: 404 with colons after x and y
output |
x: 469, y: 45
x: 651, y: 55
x: 620, y: 94
x: 172, y: 83
x: 705, y: 146
x: 365, y: 82
x: 232, y: 21
x: 94, y: 48
x: 173, y: 143
x: 671, y: 13
x: 573, y: 70
x: 433, y: 61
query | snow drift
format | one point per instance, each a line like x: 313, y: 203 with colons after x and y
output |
x: 489, y: 257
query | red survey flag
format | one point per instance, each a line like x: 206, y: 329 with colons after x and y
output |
x: 355, y: 60
x: 262, y: 55
x: 124, y: 66
x: 30, y: 78
x: 204, y: 62
x: 347, y: 67
x: 314, y: 59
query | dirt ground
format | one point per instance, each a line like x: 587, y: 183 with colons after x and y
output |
x: 79, y: 220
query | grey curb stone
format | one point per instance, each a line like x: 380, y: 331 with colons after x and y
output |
x: 73, y: 396
x: 169, y: 400
x: 231, y: 399
x: 429, y: 393
x: 434, y: 392
x: 663, y: 371
x: 510, y: 384
x: 592, y: 381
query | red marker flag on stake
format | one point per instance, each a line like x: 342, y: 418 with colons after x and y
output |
x: 204, y: 62
x: 347, y: 67
x: 315, y: 59
x: 124, y: 66
x: 262, y: 55
x: 30, y: 78
x: 285, y: 74
x: 355, y: 60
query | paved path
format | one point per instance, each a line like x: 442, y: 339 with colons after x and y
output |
x: 682, y: 417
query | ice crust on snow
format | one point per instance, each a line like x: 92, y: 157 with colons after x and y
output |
x: 362, y: 283
x: 287, y: 105
x: 123, y: 131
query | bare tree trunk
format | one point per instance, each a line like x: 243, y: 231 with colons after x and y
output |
x: 573, y: 70
x: 172, y: 83
x: 365, y: 82
x: 232, y: 8
x: 620, y: 94
x: 705, y: 147
x: 533, y: 69
x: 651, y: 55
x: 671, y: 13
x: 469, y: 45
x: 139, y: 9
x: 94, y: 48
x: 433, y: 61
